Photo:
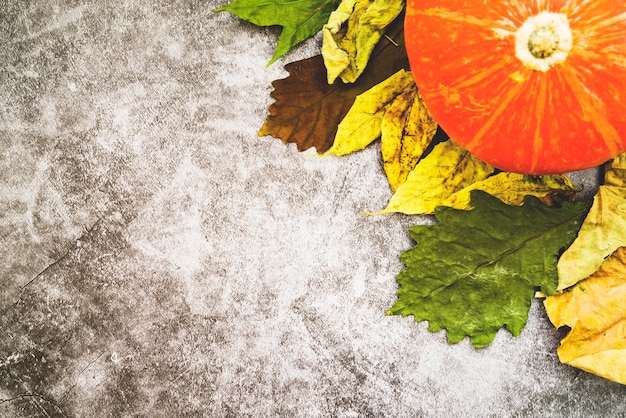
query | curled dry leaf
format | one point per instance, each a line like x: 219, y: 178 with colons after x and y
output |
x: 347, y: 47
x: 447, y: 169
x: 603, y: 231
x: 595, y: 310
x: 362, y: 123
x: 448, y: 175
x: 615, y: 172
x: 407, y: 130
x: 511, y: 188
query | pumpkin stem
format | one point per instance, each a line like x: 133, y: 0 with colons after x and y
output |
x: 543, y: 41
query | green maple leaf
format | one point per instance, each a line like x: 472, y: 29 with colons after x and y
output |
x: 477, y: 271
x: 300, y: 19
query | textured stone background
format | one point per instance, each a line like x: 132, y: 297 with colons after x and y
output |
x: 159, y: 259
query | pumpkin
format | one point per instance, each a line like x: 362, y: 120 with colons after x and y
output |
x: 529, y: 86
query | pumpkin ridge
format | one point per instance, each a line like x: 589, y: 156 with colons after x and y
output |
x: 499, y: 110
x: 541, y: 108
x: 598, y: 33
x: 600, y: 122
x: 445, y: 14
x: 480, y: 76
x: 601, y: 24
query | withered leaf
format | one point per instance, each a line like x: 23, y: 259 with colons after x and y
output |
x: 602, y: 232
x: 595, y: 311
x: 351, y: 34
x: 307, y: 110
x: 447, y: 169
x: 512, y: 188
x: 407, y: 130
x: 363, y: 122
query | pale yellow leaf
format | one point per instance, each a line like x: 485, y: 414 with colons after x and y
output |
x: 447, y: 169
x: 512, y: 187
x: 406, y: 131
x: 336, y: 60
x: 362, y: 123
x: 603, y: 230
x: 595, y: 310
x: 351, y: 34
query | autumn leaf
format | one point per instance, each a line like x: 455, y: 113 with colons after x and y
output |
x: 512, y: 188
x: 347, y: 47
x: 447, y: 169
x: 407, y: 130
x: 307, y: 110
x: 595, y: 310
x: 603, y: 231
x: 476, y: 271
x: 300, y: 20
x: 448, y: 175
x: 362, y: 123
x: 615, y: 172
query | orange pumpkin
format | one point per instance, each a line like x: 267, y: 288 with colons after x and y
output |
x: 529, y: 86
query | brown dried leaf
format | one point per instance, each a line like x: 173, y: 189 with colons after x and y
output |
x: 307, y: 110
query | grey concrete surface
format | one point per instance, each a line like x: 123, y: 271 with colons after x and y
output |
x: 161, y: 260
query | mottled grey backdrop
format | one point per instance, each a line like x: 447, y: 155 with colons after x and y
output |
x: 160, y: 259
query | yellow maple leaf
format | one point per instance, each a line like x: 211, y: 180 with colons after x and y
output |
x: 603, y: 230
x: 352, y: 32
x: 406, y: 131
x: 595, y: 310
x: 447, y: 169
x: 362, y: 123
x: 512, y: 187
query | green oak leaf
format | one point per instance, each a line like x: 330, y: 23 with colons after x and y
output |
x: 477, y: 271
x: 299, y: 19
